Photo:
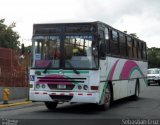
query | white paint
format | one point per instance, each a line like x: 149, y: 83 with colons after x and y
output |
x: 121, y: 88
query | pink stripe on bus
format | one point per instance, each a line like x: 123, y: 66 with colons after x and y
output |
x: 112, y: 70
x: 127, y: 68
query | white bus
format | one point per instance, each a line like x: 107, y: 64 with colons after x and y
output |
x: 89, y: 62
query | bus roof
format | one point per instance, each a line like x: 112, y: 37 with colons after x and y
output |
x: 83, y: 21
x: 68, y: 21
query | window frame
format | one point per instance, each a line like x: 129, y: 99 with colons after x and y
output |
x: 114, y: 42
x: 120, y: 44
x: 129, y: 41
x: 107, y: 41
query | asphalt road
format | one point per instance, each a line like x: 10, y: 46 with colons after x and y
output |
x: 146, y: 107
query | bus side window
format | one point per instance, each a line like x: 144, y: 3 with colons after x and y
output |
x: 135, y: 49
x: 129, y: 47
x: 139, y: 50
x: 122, y: 45
x: 144, y: 51
x: 114, y: 43
x: 102, y: 44
x: 107, y: 40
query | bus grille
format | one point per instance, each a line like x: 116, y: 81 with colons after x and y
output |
x: 55, y: 80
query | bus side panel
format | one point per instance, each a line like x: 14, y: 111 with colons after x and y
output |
x: 131, y: 87
x: 143, y: 80
x: 123, y: 88
x: 116, y: 89
x: 102, y: 79
x: 123, y: 74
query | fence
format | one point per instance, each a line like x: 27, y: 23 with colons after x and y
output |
x: 13, y: 70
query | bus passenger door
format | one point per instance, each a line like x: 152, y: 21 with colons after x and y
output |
x: 102, y: 60
x: 102, y: 53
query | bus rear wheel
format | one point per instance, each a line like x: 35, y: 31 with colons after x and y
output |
x: 136, y: 95
x: 106, y: 99
x: 51, y: 105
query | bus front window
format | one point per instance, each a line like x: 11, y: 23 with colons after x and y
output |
x: 47, y: 50
x: 80, y: 52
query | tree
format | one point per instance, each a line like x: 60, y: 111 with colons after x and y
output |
x: 154, y: 57
x: 134, y: 35
x: 8, y: 37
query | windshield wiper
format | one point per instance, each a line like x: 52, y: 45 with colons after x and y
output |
x: 47, y: 67
x: 75, y: 71
x: 50, y: 63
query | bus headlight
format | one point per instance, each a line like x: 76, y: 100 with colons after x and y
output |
x: 79, y: 87
x: 37, y: 86
x: 85, y: 87
x: 43, y: 86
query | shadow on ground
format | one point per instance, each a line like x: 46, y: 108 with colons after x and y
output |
x: 88, y: 108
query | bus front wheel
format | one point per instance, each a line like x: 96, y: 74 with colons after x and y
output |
x: 51, y: 105
x: 106, y: 99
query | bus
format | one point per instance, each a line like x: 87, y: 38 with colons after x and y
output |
x: 85, y: 62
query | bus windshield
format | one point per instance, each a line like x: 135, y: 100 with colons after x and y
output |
x: 47, y: 50
x: 80, y: 52
x: 153, y: 71
x: 74, y: 52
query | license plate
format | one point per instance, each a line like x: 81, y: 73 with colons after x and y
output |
x: 61, y: 86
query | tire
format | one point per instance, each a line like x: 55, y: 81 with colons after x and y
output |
x: 136, y: 95
x: 106, y: 99
x: 51, y: 105
x: 148, y: 84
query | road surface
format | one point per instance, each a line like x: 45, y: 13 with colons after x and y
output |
x: 146, y: 107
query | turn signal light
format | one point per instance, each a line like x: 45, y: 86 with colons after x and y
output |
x: 94, y: 87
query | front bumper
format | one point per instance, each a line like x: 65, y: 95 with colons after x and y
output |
x: 153, y: 81
x: 79, y: 97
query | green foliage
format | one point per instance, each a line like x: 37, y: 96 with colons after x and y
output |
x: 154, y: 57
x: 27, y: 49
x: 8, y: 37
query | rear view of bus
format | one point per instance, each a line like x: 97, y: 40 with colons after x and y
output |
x: 73, y: 62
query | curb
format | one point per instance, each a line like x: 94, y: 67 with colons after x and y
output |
x: 15, y: 104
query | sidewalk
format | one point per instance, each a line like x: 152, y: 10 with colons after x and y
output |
x: 15, y: 103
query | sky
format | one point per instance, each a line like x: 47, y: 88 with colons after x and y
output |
x: 134, y: 16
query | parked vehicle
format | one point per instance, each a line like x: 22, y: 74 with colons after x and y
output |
x: 153, y: 76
